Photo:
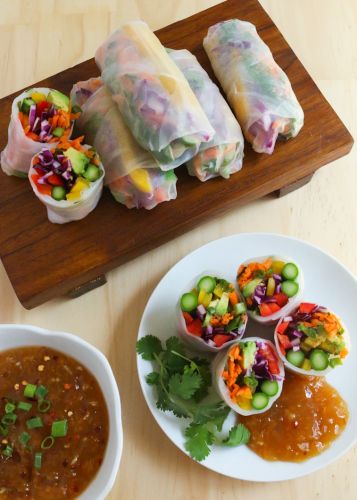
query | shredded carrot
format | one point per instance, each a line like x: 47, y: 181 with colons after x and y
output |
x: 344, y: 353
x: 33, y: 136
x: 233, y: 298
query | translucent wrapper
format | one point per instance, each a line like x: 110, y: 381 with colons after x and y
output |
x: 131, y: 172
x: 153, y: 96
x: 63, y: 211
x: 223, y: 155
x: 16, y: 157
x: 219, y: 365
x: 257, y: 88
x: 300, y: 370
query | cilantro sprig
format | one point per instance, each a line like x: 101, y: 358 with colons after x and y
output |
x: 181, y: 385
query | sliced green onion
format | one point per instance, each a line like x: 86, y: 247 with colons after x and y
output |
x: 43, y: 405
x: 24, y: 438
x: 30, y: 390
x: 41, y: 392
x: 59, y: 428
x: 9, y: 419
x: 10, y: 407
x: 38, y: 460
x: 34, y: 423
x: 4, y: 431
x: 22, y: 405
x: 7, y: 452
x: 48, y: 442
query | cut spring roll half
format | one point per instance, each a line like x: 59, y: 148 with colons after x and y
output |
x: 210, y: 313
x: 223, y: 155
x: 249, y: 376
x: 312, y: 340
x: 68, y: 180
x: 257, y: 88
x: 39, y: 117
x: 131, y: 172
x: 271, y: 287
x: 152, y: 95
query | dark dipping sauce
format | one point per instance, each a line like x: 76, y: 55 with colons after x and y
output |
x: 308, y: 416
x: 72, y: 462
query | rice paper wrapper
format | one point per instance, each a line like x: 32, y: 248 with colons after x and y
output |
x: 152, y: 95
x: 218, y: 367
x: 293, y: 301
x: 223, y: 155
x: 316, y: 373
x: 198, y: 343
x: 131, y: 173
x: 257, y: 88
x: 17, y: 155
x: 61, y: 212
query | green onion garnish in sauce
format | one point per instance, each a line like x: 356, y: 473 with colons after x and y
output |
x: 34, y: 423
x: 43, y: 405
x: 48, y: 442
x: 38, y: 460
x: 9, y: 419
x: 7, y: 452
x: 4, y: 431
x: 59, y: 428
x: 30, y: 390
x: 10, y: 407
x: 41, y: 392
x: 24, y: 438
x: 22, y: 405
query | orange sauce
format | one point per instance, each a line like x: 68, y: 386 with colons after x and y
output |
x: 302, y: 423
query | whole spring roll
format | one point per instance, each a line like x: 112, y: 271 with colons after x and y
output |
x: 39, y: 117
x: 223, y: 155
x: 257, y: 88
x: 131, y: 172
x: 152, y: 95
x: 68, y: 180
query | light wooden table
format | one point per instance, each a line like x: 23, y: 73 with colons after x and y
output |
x: 42, y: 37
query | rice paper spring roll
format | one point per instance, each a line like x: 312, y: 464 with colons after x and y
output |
x: 153, y: 96
x: 249, y: 376
x: 223, y: 155
x: 131, y: 172
x: 257, y: 88
x: 39, y: 117
x: 68, y: 180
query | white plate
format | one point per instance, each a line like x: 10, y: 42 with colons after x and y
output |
x: 326, y: 282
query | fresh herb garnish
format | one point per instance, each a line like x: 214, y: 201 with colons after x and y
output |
x: 182, y: 383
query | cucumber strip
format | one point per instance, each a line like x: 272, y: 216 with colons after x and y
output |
x: 207, y: 283
x: 290, y: 271
x: 296, y: 358
x: 92, y: 173
x: 239, y: 308
x: 58, y: 193
x: 270, y: 387
x: 290, y: 288
x: 318, y: 359
x: 260, y: 400
x: 189, y: 302
x: 58, y: 132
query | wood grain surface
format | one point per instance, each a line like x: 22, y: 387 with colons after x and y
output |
x: 59, y: 34
x: 111, y: 235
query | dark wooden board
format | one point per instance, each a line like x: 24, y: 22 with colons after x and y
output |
x: 45, y: 260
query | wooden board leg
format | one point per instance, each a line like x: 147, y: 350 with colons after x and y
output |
x: 87, y: 287
x: 292, y: 187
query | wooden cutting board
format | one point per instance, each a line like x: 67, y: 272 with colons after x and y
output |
x: 45, y: 260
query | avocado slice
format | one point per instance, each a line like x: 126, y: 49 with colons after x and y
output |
x: 249, y: 288
x: 78, y: 160
x: 222, y: 306
x: 58, y: 99
x: 249, y: 350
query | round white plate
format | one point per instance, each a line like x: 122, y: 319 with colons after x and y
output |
x: 326, y: 282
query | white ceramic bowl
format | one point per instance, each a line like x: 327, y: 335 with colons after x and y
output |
x: 192, y: 341
x: 301, y: 371
x: 221, y: 388
x: 12, y: 336
x: 293, y: 301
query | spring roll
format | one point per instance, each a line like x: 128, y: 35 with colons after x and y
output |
x: 223, y: 155
x: 257, y: 88
x: 68, y: 180
x: 131, y: 172
x: 39, y: 117
x: 152, y: 95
